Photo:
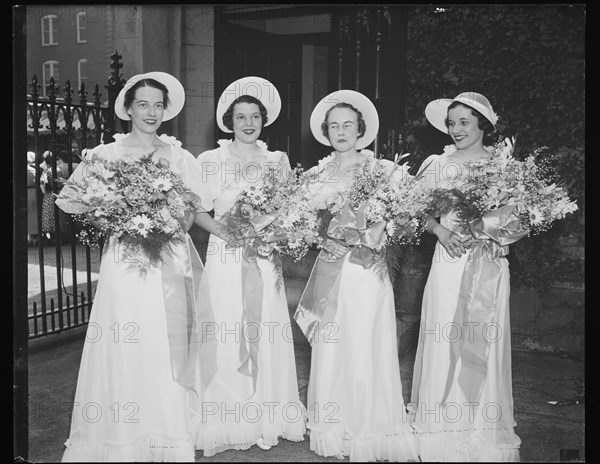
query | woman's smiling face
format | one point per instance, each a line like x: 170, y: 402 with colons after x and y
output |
x: 463, y: 127
x: 147, y: 109
x: 247, y: 122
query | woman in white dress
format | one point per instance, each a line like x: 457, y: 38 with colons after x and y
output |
x: 253, y: 398
x: 355, y: 404
x: 132, y: 397
x: 462, y: 387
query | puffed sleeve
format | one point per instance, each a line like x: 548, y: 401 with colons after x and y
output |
x: 208, y: 171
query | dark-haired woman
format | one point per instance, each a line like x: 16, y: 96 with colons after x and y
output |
x: 462, y: 388
x: 253, y: 398
x: 131, y: 404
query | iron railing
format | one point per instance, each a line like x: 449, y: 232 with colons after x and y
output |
x: 55, y: 125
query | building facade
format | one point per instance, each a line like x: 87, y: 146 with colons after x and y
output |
x: 306, y: 51
x: 68, y: 42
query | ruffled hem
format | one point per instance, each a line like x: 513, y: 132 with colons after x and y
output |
x: 149, y: 448
x: 219, y: 437
x: 396, y: 447
x: 461, y: 446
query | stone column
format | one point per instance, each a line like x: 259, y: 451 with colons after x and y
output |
x: 197, y: 121
x: 124, y: 27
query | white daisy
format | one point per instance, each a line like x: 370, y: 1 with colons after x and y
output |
x: 256, y: 198
x: 141, y: 224
x: 536, y: 217
x: 162, y: 184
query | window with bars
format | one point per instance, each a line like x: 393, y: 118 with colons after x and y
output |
x: 50, y: 30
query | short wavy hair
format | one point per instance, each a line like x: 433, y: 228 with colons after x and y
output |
x: 482, y: 122
x: 228, y: 115
x: 362, y: 126
x: 130, y: 94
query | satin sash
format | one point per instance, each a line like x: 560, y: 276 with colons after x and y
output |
x: 350, y: 228
x: 262, y: 221
x: 248, y: 232
x: 319, y: 301
x: 478, y: 299
x: 189, y: 316
x: 252, y: 294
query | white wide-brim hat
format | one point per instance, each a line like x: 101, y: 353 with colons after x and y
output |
x: 358, y: 101
x: 176, y: 94
x: 256, y: 87
x: 436, y: 111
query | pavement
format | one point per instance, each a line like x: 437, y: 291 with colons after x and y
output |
x: 538, y: 379
x: 548, y: 392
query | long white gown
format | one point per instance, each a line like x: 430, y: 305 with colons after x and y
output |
x: 451, y: 426
x: 127, y: 406
x: 232, y: 415
x: 355, y: 404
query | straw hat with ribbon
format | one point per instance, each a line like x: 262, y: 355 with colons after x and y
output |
x: 437, y: 110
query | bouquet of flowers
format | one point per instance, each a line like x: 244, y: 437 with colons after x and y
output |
x: 299, y: 220
x: 273, y: 209
x: 316, y: 196
x: 525, y: 191
x: 391, y: 200
x: 139, y: 202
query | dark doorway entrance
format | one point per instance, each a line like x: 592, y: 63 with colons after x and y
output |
x: 310, y: 51
x: 291, y: 47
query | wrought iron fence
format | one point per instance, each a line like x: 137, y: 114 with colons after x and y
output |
x: 59, y: 128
